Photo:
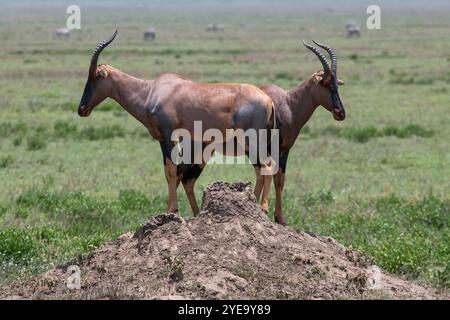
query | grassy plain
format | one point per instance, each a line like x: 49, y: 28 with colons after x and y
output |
x: 378, y: 181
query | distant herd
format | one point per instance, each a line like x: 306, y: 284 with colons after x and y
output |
x: 149, y: 34
x: 352, y: 30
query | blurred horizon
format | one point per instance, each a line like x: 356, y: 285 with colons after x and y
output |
x: 262, y: 4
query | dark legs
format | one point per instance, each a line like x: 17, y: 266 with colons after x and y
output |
x: 189, y: 175
x: 278, y: 180
x: 170, y: 170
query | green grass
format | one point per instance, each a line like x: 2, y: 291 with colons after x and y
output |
x: 410, y: 238
x: 376, y: 181
x: 363, y: 135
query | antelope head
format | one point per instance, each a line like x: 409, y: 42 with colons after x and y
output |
x: 325, y: 83
x: 98, y: 85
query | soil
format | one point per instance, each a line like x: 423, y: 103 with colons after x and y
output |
x: 231, y: 250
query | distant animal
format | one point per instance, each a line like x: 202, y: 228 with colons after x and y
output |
x: 215, y: 27
x: 171, y: 102
x: 295, y: 107
x: 61, y: 33
x: 352, y: 29
x: 150, y: 34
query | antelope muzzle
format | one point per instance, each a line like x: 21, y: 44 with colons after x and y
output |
x: 338, y: 110
x: 83, y: 109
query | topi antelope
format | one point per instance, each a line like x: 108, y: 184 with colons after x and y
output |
x: 171, y: 102
x: 295, y: 107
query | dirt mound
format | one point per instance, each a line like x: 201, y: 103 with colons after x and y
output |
x: 230, y: 250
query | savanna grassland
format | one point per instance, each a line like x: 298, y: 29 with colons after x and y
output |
x: 378, y: 182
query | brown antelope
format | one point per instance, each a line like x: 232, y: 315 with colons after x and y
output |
x: 171, y: 102
x: 295, y: 107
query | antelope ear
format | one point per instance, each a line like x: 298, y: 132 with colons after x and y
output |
x: 103, y: 72
x: 317, y: 79
x: 340, y: 82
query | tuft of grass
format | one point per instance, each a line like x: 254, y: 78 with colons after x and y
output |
x: 403, y: 78
x: 36, y: 142
x: 283, y: 76
x: 354, y: 57
x: 106, y: 132
x: 107, y: 106
x: 360, y: 135
x: 5, y: 161
x: 408, y: 131
x: 9, y: 129
x: 364, y: 134
x: 64, y: 129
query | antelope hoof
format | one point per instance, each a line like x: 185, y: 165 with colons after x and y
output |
x: 265, y: 207
x: 280, y: 220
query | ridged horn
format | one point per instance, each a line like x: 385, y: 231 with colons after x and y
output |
x: 102, y: 45
x: 325, y: 65
x: 332, y: 56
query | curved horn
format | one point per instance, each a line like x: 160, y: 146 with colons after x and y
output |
x: 102, y: 45
x: 332, y: 56
x: 326, y: 66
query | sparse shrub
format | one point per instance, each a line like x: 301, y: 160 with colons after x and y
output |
x: 49, y: 95
x: 106, y: 132
x: 361, y: 135
x: 38, y: 198
x: 306, y: 130
x: 8, y: 129
x: 69, y: 106
x: 283, y: 76
x: 63, y: 129
x: 35, y: 142
x: 408, y: 131
x: 107, y: 106
x: 21, y: 213
x: 332, y: 131
x: 5, y: 161
x: 354, y: 57
x: 17, y: 141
